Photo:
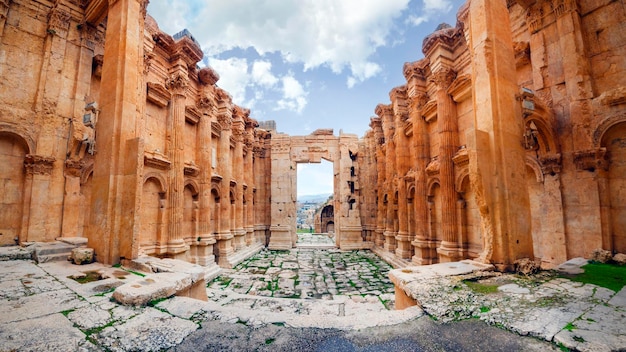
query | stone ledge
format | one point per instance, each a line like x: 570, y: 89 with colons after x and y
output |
x: 401, y: 278
x: 171, y: 277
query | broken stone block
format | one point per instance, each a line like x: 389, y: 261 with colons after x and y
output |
x: 81, y: 256
x: 600, y: 255
x: 526, y: 266
x: 620, y: 258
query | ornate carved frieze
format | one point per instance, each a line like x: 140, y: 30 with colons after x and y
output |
x: 534, y: 18
x: 591, y: 159
x: 563, y: 7
x: 157, y: 94
x: 73, y: 167
x: 58, y: 21
x: 38, y: 165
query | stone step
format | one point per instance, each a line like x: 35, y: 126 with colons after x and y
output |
x: 59, y: 257
x: 52, y: 251
x: 15, y: 253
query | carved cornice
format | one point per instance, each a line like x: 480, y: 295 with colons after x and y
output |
x: 91, y: 36
x: 191, y: 169
x: 433, y: 167
x: 429, y: 111
x: 591, y: 159
x: 461, y: 88
x: 208, y: 76
x: 383, y: 111
x: 192, y: 114
x: 38, y: 165
x: 449, y: 38
x: 177, y: 83
x: 461, y: 158
x: 156, y: 160
x: 58, y: 21
x: 216, y: 129
x: 415, y: 69
x: 157, y: 94
x: 147, y: 61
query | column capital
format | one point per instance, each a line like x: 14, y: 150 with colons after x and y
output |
x: 58, y: 21
x: 443, y: 77
x: 177, y: 83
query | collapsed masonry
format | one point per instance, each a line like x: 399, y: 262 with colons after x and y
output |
x: 507, y: 141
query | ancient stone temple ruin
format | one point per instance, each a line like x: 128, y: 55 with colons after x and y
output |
x: 507, y: 141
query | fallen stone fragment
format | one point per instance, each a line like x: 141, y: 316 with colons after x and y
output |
x: 620, y: 258
x: 82, y: 256
x: 600, y: 255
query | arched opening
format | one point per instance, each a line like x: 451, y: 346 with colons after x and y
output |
x: 190, y: 213
x: 614, y: 140
x: 472, y: 235
x: 327, y: 220
x: 12, y: 152
x: 151, y: 216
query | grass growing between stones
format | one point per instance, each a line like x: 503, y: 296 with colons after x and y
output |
x: 90, y: 276
x: 608, y: 276
x: 478, y: 287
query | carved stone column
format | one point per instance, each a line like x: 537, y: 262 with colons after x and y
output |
x: 37, y: 186
x: 248, y: 168
x: 390, y: 232
x: 423, y: 245
x: 398, y: 97
x: 204, y: 253
x: 118, y: 164
x: 376, y: 125
x: 448, y: 145
x: 238, y: 175
x: 177, y: 85
x: 496, y: 157
x: 224, y: 167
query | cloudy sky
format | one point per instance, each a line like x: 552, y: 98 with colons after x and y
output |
x: 308, y: 64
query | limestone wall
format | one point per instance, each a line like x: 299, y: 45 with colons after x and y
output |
x: 515, y: 125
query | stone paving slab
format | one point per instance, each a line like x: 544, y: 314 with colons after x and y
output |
x: 47, y: 333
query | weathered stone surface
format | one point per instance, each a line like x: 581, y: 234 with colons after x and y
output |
x: 152, y: 287
x: 600, y: 255
x: 82, y: 256
x: 526, y: 266
x: 151, y: 331
x: 620, y: 258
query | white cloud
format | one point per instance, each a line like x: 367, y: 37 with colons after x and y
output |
x: 430, y: 9
x: 235, y: 77
x: 361, y: 71
x: 335, y: 34
x: 294, y: 95
x: 262, y: 74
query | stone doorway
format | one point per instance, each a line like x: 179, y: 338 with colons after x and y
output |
x: 342, y: 151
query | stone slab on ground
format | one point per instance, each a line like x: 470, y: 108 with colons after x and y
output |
x: 572, y: 266
x: 47, y: 333
x: 39, y: 305
x: 152, y: 330
x: 152, y: 287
